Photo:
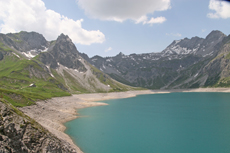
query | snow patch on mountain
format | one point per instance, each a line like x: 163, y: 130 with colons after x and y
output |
x: 34, y: 52
x: 209, y: 54
x: 29, y: 54
x: 16, y: 55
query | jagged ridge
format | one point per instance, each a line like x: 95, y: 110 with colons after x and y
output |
x: 180, y: 65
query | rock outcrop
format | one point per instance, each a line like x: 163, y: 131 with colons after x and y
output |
x: 64, y: 52
x: 21, y: 134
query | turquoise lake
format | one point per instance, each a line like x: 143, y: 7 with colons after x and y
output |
x: 157, y: 123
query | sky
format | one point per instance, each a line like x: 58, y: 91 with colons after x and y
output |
x: 108, y: 27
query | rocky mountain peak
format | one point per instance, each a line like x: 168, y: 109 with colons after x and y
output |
x: 63, y: 52
x: 26, y: 41
x: 63, y: 37
x: 215, y: 34
x: 120, y: 54
x: 195, y: 45
x: 64, y: 45
x: 207, y: 47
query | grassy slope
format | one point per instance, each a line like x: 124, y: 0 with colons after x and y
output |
x: 15, y: 79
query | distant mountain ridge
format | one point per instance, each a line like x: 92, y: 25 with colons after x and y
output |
x: 195, y: 45
x: 183, y: 64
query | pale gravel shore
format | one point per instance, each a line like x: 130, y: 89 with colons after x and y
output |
x: 52, y: 113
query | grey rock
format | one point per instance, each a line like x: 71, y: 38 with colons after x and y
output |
x: 26, y: 41
x: 63, y: 52
x: 20, y: 134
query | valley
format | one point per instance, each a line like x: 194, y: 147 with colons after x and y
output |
x: 33, y: 71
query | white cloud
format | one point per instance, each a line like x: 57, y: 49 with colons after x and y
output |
x: 121, y: 10
x: 221, y: 8
x: 157, y: 20
x: 144, y: 20
x: 108, y: 49
x: 174, y: 34
x: 32, y: 15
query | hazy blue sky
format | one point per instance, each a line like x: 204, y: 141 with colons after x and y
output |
x: 107, y: 27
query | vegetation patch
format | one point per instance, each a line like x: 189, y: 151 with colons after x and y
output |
x: 212, y: 81
x: 17, y: 75
x: 224, y: 82
x: 227, y: 56
x: 4, y: 48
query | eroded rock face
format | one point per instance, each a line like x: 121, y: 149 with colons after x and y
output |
x: 26, y: 41
x: 63, y: 51
x: 20, y: 134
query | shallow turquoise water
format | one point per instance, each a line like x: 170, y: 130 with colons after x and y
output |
x: 159, y: 123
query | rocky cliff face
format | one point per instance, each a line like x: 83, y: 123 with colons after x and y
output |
x: 29, y: 44
x: 177, y: 66
x: 26, y: 41
x: 19, y: 133
x: 64, y: 52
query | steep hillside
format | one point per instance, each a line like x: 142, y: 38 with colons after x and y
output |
x: 218, y: 69
x: 183, y: 64
x: 28, y: 79
x: 210, y: 72
x: 19, y: 133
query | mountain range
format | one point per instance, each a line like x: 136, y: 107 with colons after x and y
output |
x: 186, y: 63
x: 37, y: 69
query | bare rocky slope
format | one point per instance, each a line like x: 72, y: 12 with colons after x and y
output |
x: 21, y: 134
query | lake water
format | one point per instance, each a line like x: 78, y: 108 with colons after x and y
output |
x: 158, y: 123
